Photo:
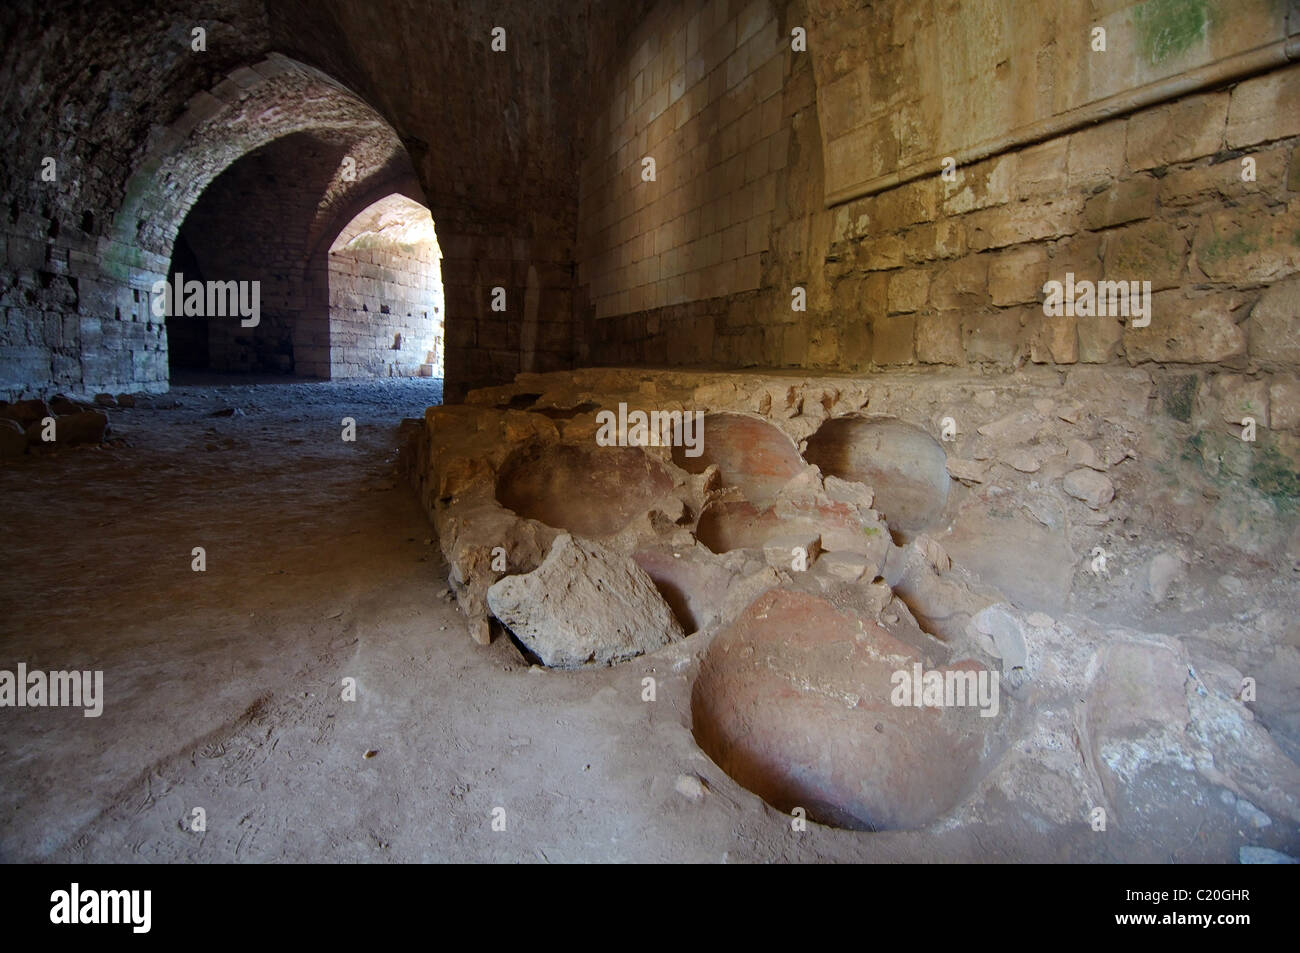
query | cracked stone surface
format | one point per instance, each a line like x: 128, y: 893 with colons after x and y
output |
x: 837, y: 534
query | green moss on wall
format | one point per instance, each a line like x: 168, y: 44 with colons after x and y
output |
x: 1276, y: 477
x: 1178, y: 394
x: 1168, y: 28
x: 1229, y: 462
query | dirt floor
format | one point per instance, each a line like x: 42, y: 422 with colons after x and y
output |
x: 223, y: 688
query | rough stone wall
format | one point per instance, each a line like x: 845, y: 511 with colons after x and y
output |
x: 77, y: 92
x: 511, y: 157
x: 116, y: 94
x: 953, y: 273
x: 252, y: 224
x: 386, y: 314
x: 494, y: 137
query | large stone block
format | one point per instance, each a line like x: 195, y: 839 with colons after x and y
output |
x: 1223, y: 180
x: 1042, y: 169
x: 985, y: 184
x: 855, y: 344
x: 1240, y: 245
x: 1239, y: 397
x: 943, y: 239
x: 846, y: 298
x: 1054, y: 340
x: 1177, y: 132
x: 908, y: 290
x: 962, y: 285
x: 907, y: 205
x: 880, y: 254
x: 1099, y: 339
x: 1017, y: 276
x: 15, y: 328
x: 1126, y: 201
x: 1189, y: 330
x: 1284, y: 403
x: 993, y: 337
x: 584, y: 604
x: 1275, y: 325
x: 852, y: 221
x: 1096, y: 155
x: 1150, y: 251
x: 1024, y: 222
x: 26, y: 254
x: 1265, y: 108
x: 893, y: 340
x: 1079, y: 254
x: 938, y: 339
x: 823, y: 347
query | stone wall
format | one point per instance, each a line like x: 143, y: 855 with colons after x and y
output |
x: 530, y: 161
x: 104, y: 270
x: 679, y: 182
x: 252, y: 224
x: 704, y: 316
x: 80, y: 98
x: 902, y: 85
x: 386, y: 310
x: 952, y: 272
x: 139, y: 123
x: 494, y: 137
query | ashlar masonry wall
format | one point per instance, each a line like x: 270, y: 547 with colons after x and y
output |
x: 386, y: 310
x: 1199, y: 196
x: 679, y: 184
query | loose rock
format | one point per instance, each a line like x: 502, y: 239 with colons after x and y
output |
x: 13, y: 439
x: 584, y: 604
x: 26, y: 412
x: 87, y: 426
x: 1164, y: 570
x: 689, y: 786
x: 1079, y: 453
x: 1093, y: 488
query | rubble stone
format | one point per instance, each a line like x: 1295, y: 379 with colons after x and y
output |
x: 584, y: 605
x: 1091, y: 487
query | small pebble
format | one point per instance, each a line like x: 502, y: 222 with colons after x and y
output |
x: 688, y: 785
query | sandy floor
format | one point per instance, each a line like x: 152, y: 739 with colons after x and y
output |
x: 223, y: 687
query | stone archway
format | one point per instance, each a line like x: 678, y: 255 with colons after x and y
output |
x: 309, y: 134
x: 386, y: 307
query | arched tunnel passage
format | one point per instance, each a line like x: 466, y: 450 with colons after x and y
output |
x: 385, y: 293
x: 251, y: 197
x: 251, y: 226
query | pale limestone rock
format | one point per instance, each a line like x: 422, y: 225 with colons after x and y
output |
x: 780, y: 551
x: 689, y: 787
x: 969, y: 471
x: 1274, y: 328
x: 584, y: 605
x: 1079, y: 453
x: 1022, y: 459
x: 1091, y: 487
x: 1164, y: 571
